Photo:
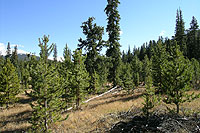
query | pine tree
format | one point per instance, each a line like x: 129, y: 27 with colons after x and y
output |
x: 149, y: 50
x: 113, y: 51
x: 9, y: 83
x: 192, y: 39
x: 67, y: 56
x: 92, y: 45
x: 196, y: 74
x: 8, y: 51
x: 14, y: 57
x: 177, y: 74
x: 102, y: 69
x: 136, y: 66
x: 180, y: 32
x: 159, y: 56
x: 1, y: 61
x: 25, y: 74
x: 146, y: 68
x: 129, y: 55
x: 55, y: 53
x: 45, y: 51
x: 126, y: 77
x: 14, y: 60
x: 78, y: 78
x: 65, y: 71
x: 150, y: 99
x: 142, y: 52
x: 46, y: 91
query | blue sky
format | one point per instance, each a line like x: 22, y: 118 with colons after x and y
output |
x: 22, y: 22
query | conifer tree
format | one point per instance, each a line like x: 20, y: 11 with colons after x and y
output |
x: 136, y: 67
x: 55, y: 53
x: 102, y: 69
x: 14, y: 57
x: 8, y: 51
x: 67, y: 56
x: 196, y: 74
x: 1, y: 61
x: 24, y: 70
x: 150, y: 99
x: 14, y: 60
x: 192, y: 40
x: 9, y: 83
x: 177, y: 74
x: 124, y: 57
x: 92, y: 45
x: 146, y: 68
x: 149, y: 50
x: 126, y: 77
x: 180, y: 32
x: 78, y: 78
x: 142, y: 52
x: 65, y: 71
x: 113, y: 50
x: 198, y: 45
x: 159, y: 56
x: 129, y: 55
x: 46, y: 90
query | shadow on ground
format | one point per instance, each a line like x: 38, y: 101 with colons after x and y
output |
x: 123, y: 99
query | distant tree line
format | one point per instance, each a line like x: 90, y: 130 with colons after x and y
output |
x: 168, y: 67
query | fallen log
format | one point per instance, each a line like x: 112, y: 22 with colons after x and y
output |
x: 96, y: 97
x: 100, y: 95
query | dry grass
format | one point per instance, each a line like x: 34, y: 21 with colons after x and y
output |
x: 16, y: 118
x: 84, y: 120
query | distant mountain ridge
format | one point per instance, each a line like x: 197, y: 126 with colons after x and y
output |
x: 23, y: 56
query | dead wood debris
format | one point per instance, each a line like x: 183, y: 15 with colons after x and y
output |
x: 135, y: 122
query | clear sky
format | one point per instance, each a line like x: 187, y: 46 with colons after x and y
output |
x: 22, y: 22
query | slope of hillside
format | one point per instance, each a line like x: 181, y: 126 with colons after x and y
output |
x: 98, y: 115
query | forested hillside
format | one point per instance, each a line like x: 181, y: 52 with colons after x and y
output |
x: 167, y: 69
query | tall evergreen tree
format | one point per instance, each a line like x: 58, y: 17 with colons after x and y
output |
x: 93, y: 45
x: 46, y: 90
x: 45, y: 51
x: 129, y: 55
x: 113, y: 50
x: 67, y: 56
x: 150, y: 99
x: 192, y: 40
x: 142, y: 52
x: 176, y: 74
x: 126, y: 77
x: 159, y: 56
x: 149, y: 50
x: 14, y: 57
x: 78, y: 78
x: 146, y: 68
x: 196, y: 74
x: 1, y: 61
x: 55, y: 53
x: 102, y: 69
x: 9, y: 83
x: 14, y: 60
x: 65, y: 71
x: 8, y: 51
x: 136, y: 67
x: 25, y: 74
x: 180, y: 32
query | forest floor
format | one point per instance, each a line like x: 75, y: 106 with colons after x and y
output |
x: 103, y: 114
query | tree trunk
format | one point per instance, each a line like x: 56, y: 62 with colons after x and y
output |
x: 177, y: 108
x: 46, y: 119
x: 78, y: 98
